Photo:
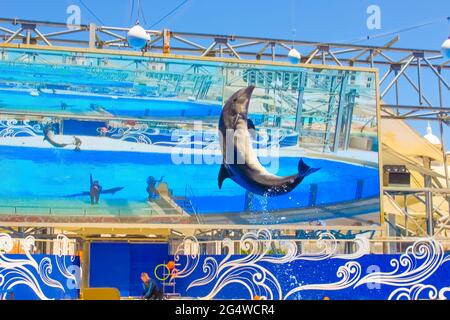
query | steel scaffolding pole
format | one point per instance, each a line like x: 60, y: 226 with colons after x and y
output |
x: 340, y: 114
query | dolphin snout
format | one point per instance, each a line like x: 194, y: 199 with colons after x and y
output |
x: 245, y: 96
x: 249, y: 90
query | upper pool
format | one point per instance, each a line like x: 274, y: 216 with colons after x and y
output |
x: 105, y: 105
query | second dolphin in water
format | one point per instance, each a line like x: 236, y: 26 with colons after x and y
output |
x: 240, y: 162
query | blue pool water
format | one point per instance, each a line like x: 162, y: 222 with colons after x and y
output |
x: 115, y: 105
x: 33, y: 173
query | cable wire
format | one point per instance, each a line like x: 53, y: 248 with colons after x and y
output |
x: 142, y: 12
x: 398, y: 31
x: 169, y: 13
x: 91, y: 12
x: 132, y: 11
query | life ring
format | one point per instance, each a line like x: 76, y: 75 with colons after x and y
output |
x: 166, y: 276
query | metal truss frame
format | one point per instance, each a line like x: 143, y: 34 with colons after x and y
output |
x: 395, y: 65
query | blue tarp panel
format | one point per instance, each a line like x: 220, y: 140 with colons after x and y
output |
x: 119, y: 265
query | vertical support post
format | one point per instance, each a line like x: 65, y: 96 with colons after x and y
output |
x: 371, y: 57
x: 441, y: 101
x: 166, y: 41
x: 92, y: 35
x: 272, y: 47
x: 405, y: 207
x: 391, y: 247
x: 85, y: 264
x: 349, y: 115
x: 61, y: 127
x: 444, y: 155
x: 340, y: 113
x: 301, y: 93
x: 28, y: 36
x: 428, y: 198
x: 419, y: 81
x: 331, y: 102
x: 49, y: 244
x: 396, y: 90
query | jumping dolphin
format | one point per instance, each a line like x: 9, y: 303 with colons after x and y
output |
x: 50, y: 137
x: 242, y: 165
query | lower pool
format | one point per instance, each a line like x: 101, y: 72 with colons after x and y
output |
x: 30, y: 174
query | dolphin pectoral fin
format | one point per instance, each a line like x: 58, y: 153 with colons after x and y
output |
x: 223, y: 174
x: 250, y: 124
x: 251, y: 128
x: 305, y: 170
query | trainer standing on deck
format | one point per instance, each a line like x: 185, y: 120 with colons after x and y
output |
x: 95, y: 191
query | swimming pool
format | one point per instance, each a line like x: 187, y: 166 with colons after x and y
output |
x: 31, y: 176
x: 121, y: 106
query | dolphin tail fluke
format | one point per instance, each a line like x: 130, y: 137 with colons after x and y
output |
x: 223, y: 174
x: 305, y: 170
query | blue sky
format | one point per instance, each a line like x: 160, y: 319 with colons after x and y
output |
x: 318, y: 20
x: 324, y: 20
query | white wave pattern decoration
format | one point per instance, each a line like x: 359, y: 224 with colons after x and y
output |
x: 13, y: 128
x: 27, y: 271
x: 192, y: 257
x: 246, y: 271
x: 416, y: 292
x: 208, y: 139
x: 137, y: 133
x: 348, y: 273
x: 419, y: 262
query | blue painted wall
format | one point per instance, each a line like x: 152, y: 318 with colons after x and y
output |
x: 419, y: 273
x: 24, y: 275
x: 119, y: 265
x: 325, y: 278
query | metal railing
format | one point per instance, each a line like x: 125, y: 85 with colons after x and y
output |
x: 304, y: 246
x: 53, y: 245
x: 30, y: 210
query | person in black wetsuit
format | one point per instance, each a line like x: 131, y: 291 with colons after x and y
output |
x: 95, y: 190
x: 151, y: 291
x: 151, y: 187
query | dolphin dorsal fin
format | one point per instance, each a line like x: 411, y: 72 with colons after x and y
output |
x: 223, y: 174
